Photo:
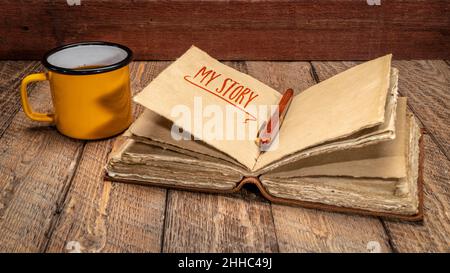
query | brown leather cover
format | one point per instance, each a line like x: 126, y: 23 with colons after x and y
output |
x: 306, y: 204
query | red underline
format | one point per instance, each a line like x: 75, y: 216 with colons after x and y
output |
x: 215, y: 94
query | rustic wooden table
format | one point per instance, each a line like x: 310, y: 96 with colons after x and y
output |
x: 53, y: 197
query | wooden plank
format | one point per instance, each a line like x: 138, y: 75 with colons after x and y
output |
x: 283, y: 75
x: 307, y: 230
x: 198, y: 222
x: 426, y: 83
x: 327, y: 69
x: 99, y: 216
x: 433, y: 235
x: 237, y: 30
x: 11, y: 75
x: 36, y: 167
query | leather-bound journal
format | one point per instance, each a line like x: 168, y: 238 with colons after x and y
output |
x: 346, y: 144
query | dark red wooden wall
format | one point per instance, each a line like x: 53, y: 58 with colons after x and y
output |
x: 232, y: 30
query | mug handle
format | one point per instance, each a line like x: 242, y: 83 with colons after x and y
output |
x: 26, y: 105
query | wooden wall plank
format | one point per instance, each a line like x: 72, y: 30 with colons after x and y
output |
x: 100, y: 216
x: 36, y: 167
x: 237, y: 30
x: 308, y: 230
x: 198, y: 222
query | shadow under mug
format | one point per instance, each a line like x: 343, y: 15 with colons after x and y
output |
x: 90, y: 89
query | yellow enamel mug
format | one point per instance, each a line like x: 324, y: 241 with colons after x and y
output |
x: 90, y: 88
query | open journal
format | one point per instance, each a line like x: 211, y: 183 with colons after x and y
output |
x: 348, y: 143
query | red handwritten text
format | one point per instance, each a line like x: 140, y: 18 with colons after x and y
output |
x: 230, y: 90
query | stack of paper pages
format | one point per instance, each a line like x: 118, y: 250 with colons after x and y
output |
x: 347, y: 143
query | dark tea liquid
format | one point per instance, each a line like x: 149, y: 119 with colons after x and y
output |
x: 88, y: 67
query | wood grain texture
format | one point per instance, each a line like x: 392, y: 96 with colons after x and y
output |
x: 433, y: 235
x: 425, y: 84
x: 233, y: 30
x: 282, y: 75
x: 100, y: 216
x: 11, y: 75
x: 327, y: 69
x: 36, y: 167
x: 52, y: 196
x: 308, y: 230
x: 198, y: 222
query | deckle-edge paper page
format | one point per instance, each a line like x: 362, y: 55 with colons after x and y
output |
x: 335, y: 108
x: 199, y: 84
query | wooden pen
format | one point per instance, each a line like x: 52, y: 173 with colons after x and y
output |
x: 270, y: 129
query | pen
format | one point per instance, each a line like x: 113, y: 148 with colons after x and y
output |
x: 269, y: 129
